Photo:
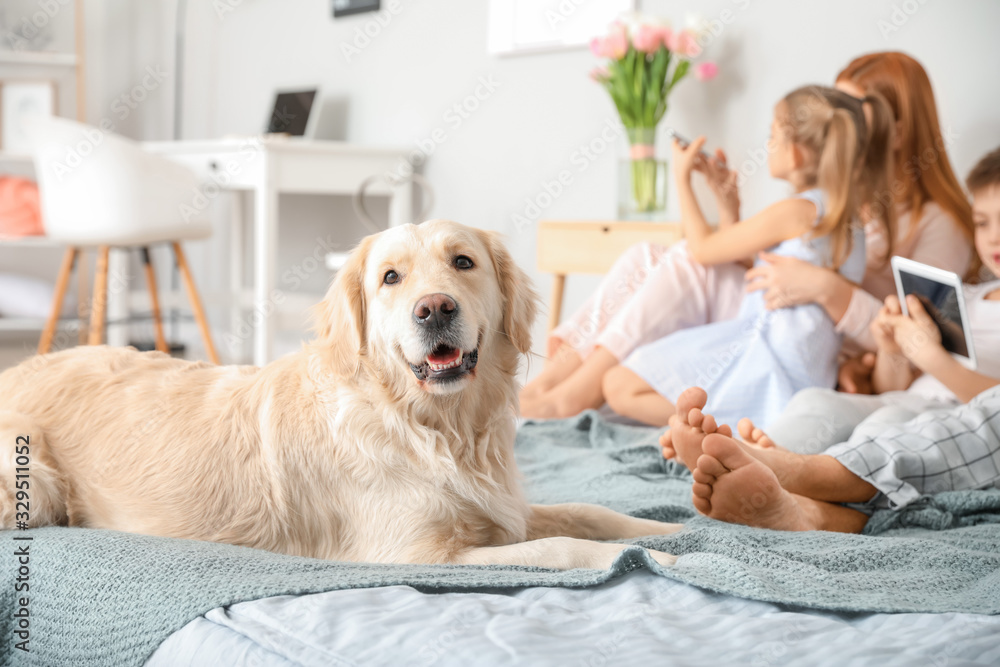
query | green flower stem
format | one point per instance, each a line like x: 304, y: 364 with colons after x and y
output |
x: 644, y: 185
x: 643, y: 168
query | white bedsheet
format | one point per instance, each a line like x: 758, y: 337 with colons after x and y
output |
x: 639, y: 619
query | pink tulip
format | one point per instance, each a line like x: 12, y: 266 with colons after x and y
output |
x: 685, y: 44
x: 598, y: 47
x: 647, y: 39
x: 705, y: 71
x: 600, y: 74
x: 672, y: 41
x: 616, y: 43
x: 666, y: 36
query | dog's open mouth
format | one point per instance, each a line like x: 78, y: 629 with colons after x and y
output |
x: 446, y: 363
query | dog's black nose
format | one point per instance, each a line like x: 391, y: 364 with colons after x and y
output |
x: 435, y: 310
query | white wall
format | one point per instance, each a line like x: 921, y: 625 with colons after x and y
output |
x: 432, y: 54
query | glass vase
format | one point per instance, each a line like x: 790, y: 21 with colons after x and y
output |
x: 642, y: 178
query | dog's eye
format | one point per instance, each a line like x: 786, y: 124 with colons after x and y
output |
x: 462, y: 262
x: 390, y: 278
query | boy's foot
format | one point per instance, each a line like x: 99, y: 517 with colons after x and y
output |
x: 753, y: 436
x: 688, y: 427
x: 731, y: 485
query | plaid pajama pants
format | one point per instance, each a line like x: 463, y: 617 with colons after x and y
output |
x: 953, y: 449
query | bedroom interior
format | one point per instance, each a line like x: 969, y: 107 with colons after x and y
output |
x: 190, y: 177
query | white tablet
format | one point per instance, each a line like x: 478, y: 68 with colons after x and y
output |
x: 941, y: 293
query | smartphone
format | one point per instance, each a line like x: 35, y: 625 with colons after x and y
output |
x: 685, y: 142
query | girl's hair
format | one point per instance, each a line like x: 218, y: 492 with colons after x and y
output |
x: 852, y: 158
x: 923, y: 171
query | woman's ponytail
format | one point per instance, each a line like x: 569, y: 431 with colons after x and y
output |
x: 877, y: 169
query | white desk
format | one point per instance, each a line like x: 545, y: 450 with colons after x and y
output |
x: 267, y: 168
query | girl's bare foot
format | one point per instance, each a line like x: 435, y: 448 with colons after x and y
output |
x: 580, y: 391
x: 688, y: 427
x: 731, y: 485
x: 753, y: 436
x: 561, y: 361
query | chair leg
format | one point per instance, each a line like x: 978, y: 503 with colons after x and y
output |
x: 100, y: 301
x: 555, y: 303
x: 154, y: 300
x: 83, y: 297
x: 62, y: 282
x: 199, y: 312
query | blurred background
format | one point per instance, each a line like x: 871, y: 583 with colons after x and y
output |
x: 497, y: 122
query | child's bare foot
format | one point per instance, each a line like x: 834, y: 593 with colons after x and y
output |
x: 753, y: 436
x: 731, y: 485
x: 688, y: 427
x: 667, y: 445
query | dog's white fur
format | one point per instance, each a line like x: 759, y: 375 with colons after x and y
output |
x: 338, y: 451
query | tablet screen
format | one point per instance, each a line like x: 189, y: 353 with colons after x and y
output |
x: 941, y: 303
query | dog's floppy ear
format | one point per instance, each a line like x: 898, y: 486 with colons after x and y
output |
x: 340, y: 319
x: 520, y: 299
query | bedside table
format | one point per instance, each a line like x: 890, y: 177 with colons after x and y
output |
x: 591, y: 246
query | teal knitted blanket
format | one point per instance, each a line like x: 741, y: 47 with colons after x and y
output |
x: 107, y: 598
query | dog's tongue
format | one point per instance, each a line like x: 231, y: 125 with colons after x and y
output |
x: 443, y: 355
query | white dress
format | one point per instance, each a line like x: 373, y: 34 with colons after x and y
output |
x: 751, y: 366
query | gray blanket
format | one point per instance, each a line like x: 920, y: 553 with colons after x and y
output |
x: 107, y: 598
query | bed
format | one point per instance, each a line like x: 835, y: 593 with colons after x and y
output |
x: 920, y: 587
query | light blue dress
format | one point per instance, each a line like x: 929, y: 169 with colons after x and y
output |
x: 751, y: 366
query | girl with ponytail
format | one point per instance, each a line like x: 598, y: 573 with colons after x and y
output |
x: 837, y: 161
x: 935, y: 218
x: 935, y: 227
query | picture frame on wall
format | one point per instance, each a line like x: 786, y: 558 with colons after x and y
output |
x: 351, y: 7
x: 521, y: 27
x: 20, y: 100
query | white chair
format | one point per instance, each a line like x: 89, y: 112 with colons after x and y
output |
x: 101, y: 190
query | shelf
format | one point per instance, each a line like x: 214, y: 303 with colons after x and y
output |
x: 14, y: 157
x: 33, y: 324
x: 293, y: 313
x: 31, y: 242
x: 37, y: 58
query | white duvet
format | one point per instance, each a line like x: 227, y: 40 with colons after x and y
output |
x: 639, y: 619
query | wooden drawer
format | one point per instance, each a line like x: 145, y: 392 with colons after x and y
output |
x: 566, y: 246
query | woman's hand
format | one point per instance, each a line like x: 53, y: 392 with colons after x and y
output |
x: 685, y: 158
x: 723, y: 182
x: 789, y: 281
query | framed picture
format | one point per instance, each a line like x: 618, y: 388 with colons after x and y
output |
x: 349, y: 7
x: 20, y: 100
x: 535, y: 26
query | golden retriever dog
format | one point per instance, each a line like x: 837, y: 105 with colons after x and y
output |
x: 388, y: 438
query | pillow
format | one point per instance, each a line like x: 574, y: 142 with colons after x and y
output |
x: 20, y: 210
